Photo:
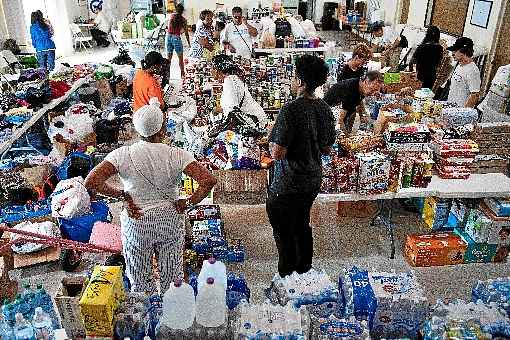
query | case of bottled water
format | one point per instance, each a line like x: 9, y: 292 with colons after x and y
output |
x: 268, y: 321
x: 313, y: 289
x: 461, y: 320
x: 334, y: 328
x: 493, y: 290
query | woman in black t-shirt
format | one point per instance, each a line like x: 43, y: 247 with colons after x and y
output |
x: 355, y: 67
x: 427, y: 57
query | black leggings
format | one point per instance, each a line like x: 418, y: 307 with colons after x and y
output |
x: 289, y: 216
x: 100, y: 37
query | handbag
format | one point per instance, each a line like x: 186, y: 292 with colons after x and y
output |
x: 443, y: 91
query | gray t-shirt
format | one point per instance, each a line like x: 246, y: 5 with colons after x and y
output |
x: 305, y: 127
x: 465, y: 80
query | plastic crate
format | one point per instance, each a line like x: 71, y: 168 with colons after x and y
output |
x: 80, y: 228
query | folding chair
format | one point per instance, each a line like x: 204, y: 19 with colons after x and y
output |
x: 79, y: 37
x: 11, y: 59
x: 7, y: 78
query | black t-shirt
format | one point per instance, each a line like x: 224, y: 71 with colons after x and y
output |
x: 305, y: 127
x: 427, y: 58
x: 347, y: 73
x: 345, y: 92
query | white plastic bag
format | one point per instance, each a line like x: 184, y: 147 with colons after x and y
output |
x: 70, y: 199
x: 76, y: 128
x: 297, y: 29
x: 46, y: 228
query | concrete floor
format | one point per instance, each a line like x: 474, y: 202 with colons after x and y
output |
x: 339, y: 243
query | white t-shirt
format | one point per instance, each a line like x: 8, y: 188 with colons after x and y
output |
x: 103, y: 22
x: 232, y: 94
x: 235, y: 35
x: 465, y: 80
x: 159, y: 163
x: 389, y: 36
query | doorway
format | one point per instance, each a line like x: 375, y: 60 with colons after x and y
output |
x: 303, y: 9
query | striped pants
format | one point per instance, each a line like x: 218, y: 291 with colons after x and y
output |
x: 160, y: 232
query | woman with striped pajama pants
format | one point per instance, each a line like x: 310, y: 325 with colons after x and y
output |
x: 152, y: 221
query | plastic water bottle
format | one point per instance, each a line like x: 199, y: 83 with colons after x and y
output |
x: 211, y: 307
x: 42, y: 325
x: 214, y: 269
x: 21, y: 306
x: 5, y: 329
x: 44, y: 300
x: 8, y: 313
x: 179, y: 306
x: 23, y: 330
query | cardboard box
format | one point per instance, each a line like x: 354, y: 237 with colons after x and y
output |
x: 67, y: 300
x: 101, y: 299
x: 477, y: 252
x: 434, y: 249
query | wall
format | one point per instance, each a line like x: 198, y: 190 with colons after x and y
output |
x: 194, y: 7
x: 14, y: 9
x: 417, y: 12
x: 483, y: 36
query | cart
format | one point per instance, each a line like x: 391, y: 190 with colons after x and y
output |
x: 74, y: 240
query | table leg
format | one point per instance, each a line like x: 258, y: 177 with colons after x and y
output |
x: 386, y: 222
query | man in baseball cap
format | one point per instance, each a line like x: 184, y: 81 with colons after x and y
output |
x: 465, y: 81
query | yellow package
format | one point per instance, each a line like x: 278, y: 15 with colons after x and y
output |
x: 101, y: 299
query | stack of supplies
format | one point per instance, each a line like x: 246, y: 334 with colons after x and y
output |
x: 454, y: 157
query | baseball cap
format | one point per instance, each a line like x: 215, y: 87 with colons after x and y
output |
x: 462, y: 42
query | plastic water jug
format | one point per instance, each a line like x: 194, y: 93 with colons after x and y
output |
x: 214, y: 269
x: 23, y: 330
x: 20, y: 306
x: 42, y: 325
x: 211, y: 307
x: 5, y: 330
x: 178, y: 306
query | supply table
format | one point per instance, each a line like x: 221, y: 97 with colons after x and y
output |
x: 19, y: 132
x: 475, y: 187
x: 315, y: 50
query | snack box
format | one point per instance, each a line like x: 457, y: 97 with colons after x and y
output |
x: 434, y: 249
x: 477, y: 252
x: 101, y: 299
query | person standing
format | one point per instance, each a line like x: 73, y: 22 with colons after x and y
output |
x: 304, y: 130
x: 151, y: 221
x: 203, y: 37
x: 388, y: 44
x: 239, y: 35
x: 427, y: 57
x: 41, y: 33
x: 101, y: 29
x: 147, y: 83
x: 465, y: 81
x: 350, y: 93
x: 355, y: 67
x: 176, y: 26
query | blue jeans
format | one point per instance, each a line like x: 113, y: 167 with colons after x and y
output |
x: 46, y: 59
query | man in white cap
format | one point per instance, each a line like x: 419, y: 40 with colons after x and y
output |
x: 152, y: 221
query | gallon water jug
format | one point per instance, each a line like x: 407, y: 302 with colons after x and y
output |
x: 42, y: 325
x: 214, y: 269
x: 8, y: 313
x: 21, y: 306
x: 23, y: 330
x: 5, y: 330
x: 179, y: 306
x: 211, y: 307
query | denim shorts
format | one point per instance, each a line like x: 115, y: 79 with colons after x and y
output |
x: 174, y: 43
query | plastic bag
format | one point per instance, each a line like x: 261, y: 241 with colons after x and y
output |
x: 267, y: 40
x: 47, y: 228
x: 70, y: 199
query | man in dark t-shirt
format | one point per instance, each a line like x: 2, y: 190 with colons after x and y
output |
x: 304, y: 130
x: 356, y: 66
x: 350, y: 93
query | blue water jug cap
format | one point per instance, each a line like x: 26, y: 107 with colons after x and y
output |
x: 210, y: 280
x: 178, y: 283
x: 212, y: 260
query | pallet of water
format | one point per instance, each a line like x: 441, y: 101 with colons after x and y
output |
x: 393, y: 303
x: 313, y: 289
x: 461, y: 320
